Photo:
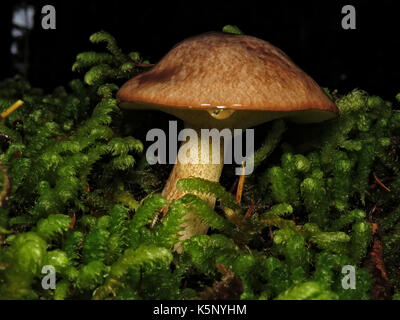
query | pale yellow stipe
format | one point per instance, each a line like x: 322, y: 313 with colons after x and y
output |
x: 11, y: 109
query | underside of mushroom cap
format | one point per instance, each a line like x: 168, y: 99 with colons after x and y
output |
x: 225, y: 73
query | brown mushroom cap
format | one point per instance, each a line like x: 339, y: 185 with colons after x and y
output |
x: 228, y: 80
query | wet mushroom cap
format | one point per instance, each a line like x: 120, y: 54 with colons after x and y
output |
x: 227, y: 80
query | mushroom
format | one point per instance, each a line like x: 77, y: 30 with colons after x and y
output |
x: 220, y: 80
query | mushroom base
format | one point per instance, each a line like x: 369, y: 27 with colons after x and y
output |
x: 194, y: 168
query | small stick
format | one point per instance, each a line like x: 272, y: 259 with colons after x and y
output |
x: 11, y: 109
x: 250, y: 209
x: 240, y: 186
x: 381, y: 183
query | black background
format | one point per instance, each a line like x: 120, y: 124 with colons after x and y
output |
x: 310, y: 32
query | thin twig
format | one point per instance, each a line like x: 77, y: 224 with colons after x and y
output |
x: 250, y: 209
x: 381, y: 183
x: 11, y: 109
x: 239, y: 190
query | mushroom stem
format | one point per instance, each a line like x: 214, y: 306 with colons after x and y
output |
x: 195, y: 166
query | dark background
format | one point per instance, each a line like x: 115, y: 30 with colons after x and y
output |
x: 309, y: 32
